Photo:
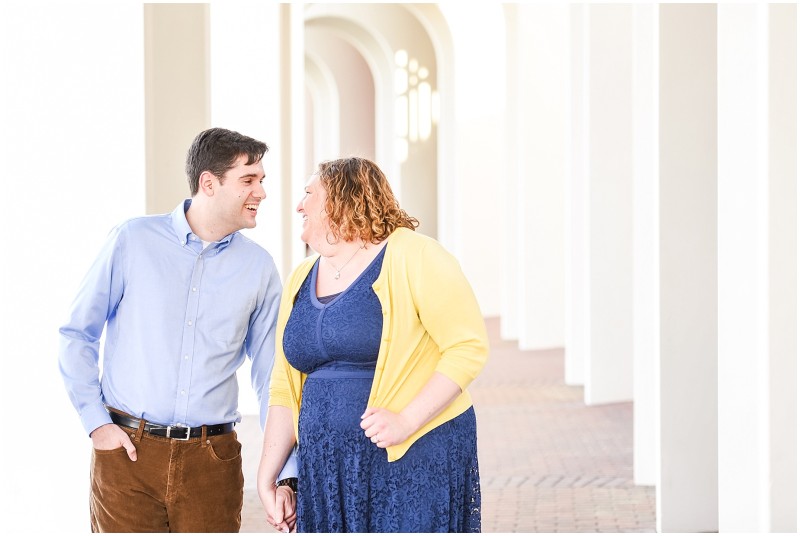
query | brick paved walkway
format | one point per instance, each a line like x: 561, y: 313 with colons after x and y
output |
x: 548, y: 462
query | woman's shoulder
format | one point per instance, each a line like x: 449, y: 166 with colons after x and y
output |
x: 306, y: 264
x: 408, y: 241
x: 301, y: 270
x: 406, y: 236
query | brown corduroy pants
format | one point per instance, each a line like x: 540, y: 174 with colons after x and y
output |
x: 174, y: 486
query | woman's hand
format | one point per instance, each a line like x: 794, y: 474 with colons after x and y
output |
x: 280, y: 506
x: 386, y: 428
x: 278, y: 501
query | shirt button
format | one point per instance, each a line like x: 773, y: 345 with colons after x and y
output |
x: 183, y: 392
x: 186, y: 357
x: 194, y: 289
x: 190, y: 322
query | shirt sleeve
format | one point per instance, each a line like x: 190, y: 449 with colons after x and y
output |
x: 448, y: 309
x: 290, y: 469
x: 97, y: 299
x: 267, y: 383
x: 260, y: 338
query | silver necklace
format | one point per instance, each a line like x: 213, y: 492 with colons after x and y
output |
x: 339, y: 270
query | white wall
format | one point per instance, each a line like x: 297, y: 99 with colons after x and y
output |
x: 73, y: 156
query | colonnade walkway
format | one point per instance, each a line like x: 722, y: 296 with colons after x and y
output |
x: 548, y: 462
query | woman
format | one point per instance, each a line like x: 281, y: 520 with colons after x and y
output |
x: 379, y: 335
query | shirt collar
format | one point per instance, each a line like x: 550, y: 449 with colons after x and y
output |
x: 184, y: 232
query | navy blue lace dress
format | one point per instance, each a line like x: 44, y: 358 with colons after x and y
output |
x: 345, y: 482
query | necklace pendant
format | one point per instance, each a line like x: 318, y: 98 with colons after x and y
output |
x: 337, y: 275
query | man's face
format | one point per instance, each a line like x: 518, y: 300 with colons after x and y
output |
x: 238, y: 196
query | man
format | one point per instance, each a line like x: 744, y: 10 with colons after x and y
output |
x: 183, y: 299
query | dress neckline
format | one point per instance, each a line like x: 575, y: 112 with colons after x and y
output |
x: 312, y: 287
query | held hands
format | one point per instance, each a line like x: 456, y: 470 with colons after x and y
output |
x: 279, y: 503
x: 386, y: 428
x: 110, y: 437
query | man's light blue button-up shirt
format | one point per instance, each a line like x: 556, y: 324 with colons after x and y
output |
x: 180, y: 320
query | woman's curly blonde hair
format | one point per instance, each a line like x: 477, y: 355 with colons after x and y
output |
x: 360, y: 204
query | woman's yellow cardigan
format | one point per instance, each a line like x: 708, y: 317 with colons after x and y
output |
x: 431, y: 323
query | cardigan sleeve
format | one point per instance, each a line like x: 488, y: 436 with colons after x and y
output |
x: 450, y: 313
x: 280, y: 392
x: 285, y: 381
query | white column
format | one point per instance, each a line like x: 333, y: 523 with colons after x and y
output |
x: 757, y: 268
x: 292, y: 128
x: 177, y: 108
x: 576, y: 318
x: 743, y: 268
x: 645, y: 242
x: 782, y: 308
x: 686, y: 489
x: 609, y: 367
x: 543, y: 80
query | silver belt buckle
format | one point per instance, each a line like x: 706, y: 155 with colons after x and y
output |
x: 188, y: 433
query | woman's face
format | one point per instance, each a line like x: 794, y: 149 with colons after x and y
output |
x: 312, y: 208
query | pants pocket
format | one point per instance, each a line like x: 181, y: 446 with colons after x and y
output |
x: 225, y: 448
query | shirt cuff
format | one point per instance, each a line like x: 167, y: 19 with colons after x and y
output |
x: 93, y: 417
x: 290, y: 467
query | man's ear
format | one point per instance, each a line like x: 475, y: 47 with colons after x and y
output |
x: 208, y: 183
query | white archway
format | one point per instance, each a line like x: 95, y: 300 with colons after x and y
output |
x: 378, y: 32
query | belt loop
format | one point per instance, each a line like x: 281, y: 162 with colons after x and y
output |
x: 139, y: 431
x: 203, y: 437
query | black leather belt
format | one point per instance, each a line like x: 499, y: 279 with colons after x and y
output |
x: 172, y: 432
